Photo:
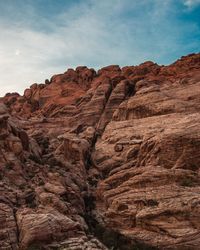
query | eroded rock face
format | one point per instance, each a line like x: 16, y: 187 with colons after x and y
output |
x: 101, y: 160
x: 151, y: 185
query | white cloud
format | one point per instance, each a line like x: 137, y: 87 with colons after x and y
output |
x: 191, y: 3
x: 93, y: 33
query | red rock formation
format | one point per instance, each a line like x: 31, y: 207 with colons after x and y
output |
x: 109, y: 159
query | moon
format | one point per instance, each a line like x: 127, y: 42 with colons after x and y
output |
x: 17, y: 52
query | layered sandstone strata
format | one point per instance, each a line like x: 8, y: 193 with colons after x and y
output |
x: 107, y: 159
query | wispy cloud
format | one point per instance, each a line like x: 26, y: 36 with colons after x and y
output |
x: 191, y: 3
x: 91, y: 32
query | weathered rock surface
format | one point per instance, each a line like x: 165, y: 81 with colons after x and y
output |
x: 103, y: 160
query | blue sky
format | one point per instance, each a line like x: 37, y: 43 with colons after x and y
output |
x: 39, y: 38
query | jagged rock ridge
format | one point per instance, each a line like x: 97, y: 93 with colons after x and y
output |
x: 95, y: 160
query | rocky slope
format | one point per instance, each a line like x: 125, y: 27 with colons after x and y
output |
x: 103, y: 160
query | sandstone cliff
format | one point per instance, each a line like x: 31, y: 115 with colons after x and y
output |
x: 103, y: 160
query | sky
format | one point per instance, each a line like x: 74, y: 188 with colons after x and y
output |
x: 40, y: 38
